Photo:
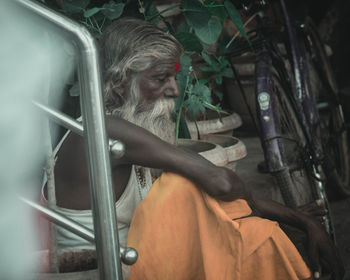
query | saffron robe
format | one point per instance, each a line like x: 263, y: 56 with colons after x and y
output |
x: 181, y: 233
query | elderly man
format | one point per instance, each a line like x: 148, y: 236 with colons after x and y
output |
x: 196, y: 221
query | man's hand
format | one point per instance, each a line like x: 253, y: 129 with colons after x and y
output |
x: 222, y: 183
x: 322, y: 252
x: 321, y: 249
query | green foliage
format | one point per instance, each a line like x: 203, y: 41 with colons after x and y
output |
x: 74, y: 6
x: 151, y: 13
x: 189, y: 41
x: 235, y: 17
x: 202, y: 26
x: 113, y: 10
x: 209, y: 33
x: 196, y: 14
x: 218, y: 66
x: 216, y: 9
x: 198, y: 96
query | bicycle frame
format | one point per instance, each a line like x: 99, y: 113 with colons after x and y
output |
x: 305, y: 106
x: 301, y: 98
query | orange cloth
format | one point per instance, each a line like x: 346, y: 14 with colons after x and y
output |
x: 181, y: 233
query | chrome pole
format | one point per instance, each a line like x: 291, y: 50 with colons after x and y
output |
x: 62, y: 119
x: 128, y: 255
x: 117, y: 148
x: 102, y: 195
x: 62, y: 221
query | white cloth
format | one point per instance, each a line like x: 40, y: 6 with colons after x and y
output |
x: 125, y: 207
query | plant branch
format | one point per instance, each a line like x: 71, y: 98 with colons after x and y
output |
x: 163, y: 11
x: 97, y: 26
x: 142, y: 9
x: 103, y: 22
x: 238, y: 32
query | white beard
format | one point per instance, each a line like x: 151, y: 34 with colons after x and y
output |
x: 155, y: 117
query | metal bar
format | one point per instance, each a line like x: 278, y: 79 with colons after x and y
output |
x: 116, y: 147
x: 62, y: 221
x: 102, y: 195
x: 62, y: 119
x: 128, y: 255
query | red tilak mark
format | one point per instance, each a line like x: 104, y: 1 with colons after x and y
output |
x: 177, y: 67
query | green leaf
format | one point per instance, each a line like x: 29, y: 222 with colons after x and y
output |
x: 235, y: 17
x: 152, y: 14
x: 216, y: 8
x: 219, y: 94
x: 186, y: 63
x: 183, y: 27
x: 216, y: 66
x: 196, y: 14
x: 227, y: 72
x: 74, y: 6
x: 202, y: 91
x: 218, y: 79
x: 194, y: 105
x: 199, y: 95
x: 223, y: 62
x: 210, y: 33
x: 206, y: 58
x: 113, y: 10
x: 189, y: 41
x: 207, y: 68
x: 91, y: 12
x: 203, y: 81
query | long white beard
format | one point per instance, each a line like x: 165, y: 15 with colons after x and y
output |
x: 155, y: 117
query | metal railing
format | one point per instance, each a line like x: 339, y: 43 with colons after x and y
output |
x: 97, y: 146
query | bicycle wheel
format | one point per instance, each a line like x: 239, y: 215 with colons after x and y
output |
x: 283, y: 139
x: 295, y: 181
x: 300, y: 181
x: 332, y: 129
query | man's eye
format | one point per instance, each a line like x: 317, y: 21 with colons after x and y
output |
x: 162, y: 79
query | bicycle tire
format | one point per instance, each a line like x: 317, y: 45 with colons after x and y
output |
x: 332, y: 131
x: 298, y: 181
x: 295, y: 181
x: 283, y: 138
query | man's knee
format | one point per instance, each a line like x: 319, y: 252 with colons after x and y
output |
x: 175, y: 189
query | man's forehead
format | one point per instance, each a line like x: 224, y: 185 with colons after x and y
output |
x: 164, y: 65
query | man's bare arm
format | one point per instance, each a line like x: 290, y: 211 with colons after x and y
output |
x: 144, y: 148
x: 321, y: 249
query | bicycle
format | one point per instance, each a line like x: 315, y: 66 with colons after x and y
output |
x: 299, y: 116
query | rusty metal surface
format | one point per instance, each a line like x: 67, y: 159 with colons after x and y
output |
x: 84, y: 275
x: 69, y: 260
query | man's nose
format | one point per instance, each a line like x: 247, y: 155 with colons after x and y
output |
x: 172, y: 89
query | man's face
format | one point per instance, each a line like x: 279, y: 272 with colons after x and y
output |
x: 151, y: 101
x: 159, y: 82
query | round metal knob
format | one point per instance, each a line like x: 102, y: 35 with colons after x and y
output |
x: 128, y: 255
x: 116, y: 148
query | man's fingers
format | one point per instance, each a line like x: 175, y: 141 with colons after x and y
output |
x: 315, y: 208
